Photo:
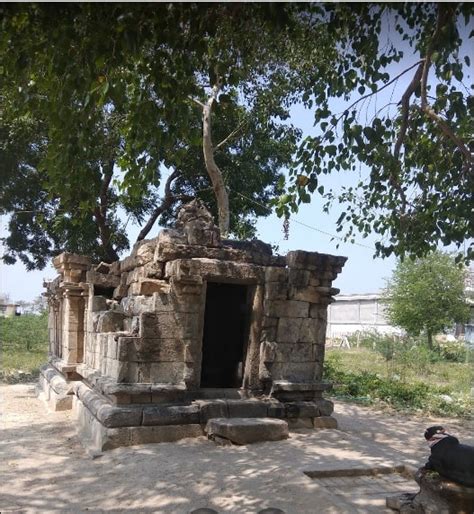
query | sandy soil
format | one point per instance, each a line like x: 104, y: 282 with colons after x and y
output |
x: 44, y: 468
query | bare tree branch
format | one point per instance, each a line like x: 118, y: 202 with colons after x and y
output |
x: 389, y: 83
x: 168, y: 200
x: 405, y: 107
x: 100, y: 212
x: 197, y: 102
x: 230, y: 136
x: 445, y: 13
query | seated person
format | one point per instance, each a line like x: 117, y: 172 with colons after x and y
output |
x: 449, y: 458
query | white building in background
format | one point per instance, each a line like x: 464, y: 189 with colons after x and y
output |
x: 353, y: 313
x: 8, y: 310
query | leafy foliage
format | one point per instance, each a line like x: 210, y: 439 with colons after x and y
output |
x: 426, y: 295
x: 24, y: 344
x: 440, y: 388
x: 103, y: 117
x: 100, y: 118
x: 410, y: 143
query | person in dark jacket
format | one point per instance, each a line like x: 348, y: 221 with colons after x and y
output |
x: 449, y: 457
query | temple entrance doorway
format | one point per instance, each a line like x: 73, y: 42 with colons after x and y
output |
x: 225, y: 334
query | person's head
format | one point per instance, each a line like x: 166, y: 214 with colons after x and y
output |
x: 430, y: 432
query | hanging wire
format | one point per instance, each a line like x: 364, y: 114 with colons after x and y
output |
x: 305, y: 224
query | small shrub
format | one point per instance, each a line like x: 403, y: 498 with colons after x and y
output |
x: 405, y: 390
x: 454, y: 351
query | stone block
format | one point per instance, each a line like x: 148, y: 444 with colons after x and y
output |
x: 115, y: 268
x: 302, y: 409
x: 167, y: 372
x: 169, y: 325
x: 120, y: 292
x: 306, y: 294
x: 325, y: 422
x: 247, y: 430
x: 268, y: 334
x: 309, y: 330
x: 163, y: 434
x: 155, y: 350
x: 154, y: 270
x: 269, y: 322
x: 139, y: 372
x: 293, y: 352
x: 171, y: 415
x: 274, y: 274
x: 102, y: 280
x: 293, y: 371
x: 167, y: 393
x: 289, y: 330
x: 192, y: 352
x: 117, y: 369
x: 286, y: 308
x: 215, y: 269
x: 318, y: 352
x: 135, y: 305
x: 112, y: 347
x: 135, y: 275
x: 326, y: 407
x: 276, y: 409
x: 211, y: 409
x: 113, y: 416
x: 148, y: 286
x: 171, y: 236
x: 303, y: 260
x: 110, y: 321
x: 246, y: 409
x: 267, y: 351
x: 276, y: 291
x: 130, y: 263
x: 145, y: 250
x: 298, y: 278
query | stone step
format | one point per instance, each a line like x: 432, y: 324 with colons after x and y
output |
x: 247, y: 430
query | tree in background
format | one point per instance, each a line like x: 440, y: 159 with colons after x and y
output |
x: 427, y: 295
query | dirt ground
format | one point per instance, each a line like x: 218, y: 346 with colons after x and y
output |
x: 44, y: 468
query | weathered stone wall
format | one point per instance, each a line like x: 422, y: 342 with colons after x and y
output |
x: 133, y: 330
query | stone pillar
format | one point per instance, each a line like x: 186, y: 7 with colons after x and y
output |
x: 69, y: 292
x: 73, y: 325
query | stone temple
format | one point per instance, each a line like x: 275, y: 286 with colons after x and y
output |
x: 189, y: 328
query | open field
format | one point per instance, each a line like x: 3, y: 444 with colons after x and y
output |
x: 412, y: 380
x: 24, y: 346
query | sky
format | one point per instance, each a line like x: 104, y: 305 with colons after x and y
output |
x: 310, y: 229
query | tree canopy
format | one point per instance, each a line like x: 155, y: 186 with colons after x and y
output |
x: 406, y: 129
x: 92, y: 127
x: 427, y: 295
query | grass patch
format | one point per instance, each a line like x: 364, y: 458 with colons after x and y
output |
x: 24, y: 346
x: 412, y: 379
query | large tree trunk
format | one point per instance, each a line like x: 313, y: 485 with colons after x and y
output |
x: 429, y: 335
x: 100, y: 214
x: 213, y: 170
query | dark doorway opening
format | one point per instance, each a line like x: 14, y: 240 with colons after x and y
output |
x: 226, y: 323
